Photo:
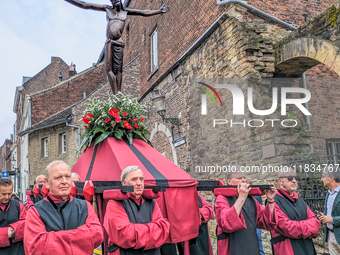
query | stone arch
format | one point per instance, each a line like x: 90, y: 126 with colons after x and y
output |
x: 294, y: 57
x: 159, y: 127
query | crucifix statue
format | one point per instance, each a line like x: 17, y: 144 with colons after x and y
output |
x: 114, y: 46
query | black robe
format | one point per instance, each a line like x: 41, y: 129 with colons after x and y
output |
x: 137, y: 214
x: 10, y: 216
x: 295, y: 211
x: 245, y: 241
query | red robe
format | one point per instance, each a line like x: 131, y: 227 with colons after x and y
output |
x: 80, y: 241
x: 206, y: 213
x: 125, y: 234
x: 18, y: 227
x: 308, y: 228
x: 29, y: 203
x: 228, y: 219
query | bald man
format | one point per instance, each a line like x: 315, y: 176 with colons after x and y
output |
x: 31, y: 199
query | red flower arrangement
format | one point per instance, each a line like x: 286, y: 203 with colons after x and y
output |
x: 87, y: 117
x: 110, y: 118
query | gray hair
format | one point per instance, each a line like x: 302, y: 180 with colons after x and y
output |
x: 6, y: 182
x: 287, y: 171
x: 36, y: 178
x: 52, y: 164
x: 126, y: 171
x: 74, y: 174
x: 231, y: 172
x: 331, y: 172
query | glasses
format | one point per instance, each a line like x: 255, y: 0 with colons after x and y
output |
x: 290, y: 178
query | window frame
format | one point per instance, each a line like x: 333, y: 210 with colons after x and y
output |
x: 63, y: 143
x: 154, y: 50
x: 45, y: 147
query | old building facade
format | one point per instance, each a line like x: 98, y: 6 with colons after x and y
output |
x: 50, y: 136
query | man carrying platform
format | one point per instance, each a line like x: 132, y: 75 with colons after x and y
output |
x: 12, y: 221
x: 61, y: 224
x: 296, y: 223
x: 238, y: 217
x: 135, y: 225
x: 31, y: 199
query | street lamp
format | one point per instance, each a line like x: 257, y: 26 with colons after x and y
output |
x: 159, y: 102
x: 15, y: 172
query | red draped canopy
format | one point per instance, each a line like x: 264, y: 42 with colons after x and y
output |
x: 179, y: 204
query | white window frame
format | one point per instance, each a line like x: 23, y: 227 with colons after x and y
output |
x: 45, y: 147
x: 154, y: 51
x: 63, y: 143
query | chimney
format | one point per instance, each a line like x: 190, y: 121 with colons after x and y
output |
x: 72, y: 69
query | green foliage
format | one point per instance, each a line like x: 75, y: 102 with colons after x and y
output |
x: 332, y: 16
x: 119, y: 116
x: 291, y: 131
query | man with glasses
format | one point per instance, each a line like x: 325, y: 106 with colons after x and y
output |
x: 331, y: 180
x: 238, y: 217
x: 296, y: 223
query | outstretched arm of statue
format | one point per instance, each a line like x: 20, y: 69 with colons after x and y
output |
x: 163, y: 9
x: 87, y: 6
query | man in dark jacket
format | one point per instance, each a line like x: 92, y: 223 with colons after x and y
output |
x: 12, y: 221
x: 331, y: 217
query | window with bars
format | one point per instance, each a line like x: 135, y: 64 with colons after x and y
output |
x: 333, y: 146
x: 154, y: 51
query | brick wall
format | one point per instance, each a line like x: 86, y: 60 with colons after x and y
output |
x: 48, y: 102
x: 323, y: 83
x: 187, y: 20
x: 131, y: 78
x: 227, y: 53
x: 161, y: 144
x: 47, y: 77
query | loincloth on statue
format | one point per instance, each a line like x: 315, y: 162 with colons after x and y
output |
x: 117, y: 55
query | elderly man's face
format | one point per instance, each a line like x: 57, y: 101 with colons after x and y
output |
x: 289, y: 183
x: 60, y: 183
x: 76, y: 178
x: 5, y: 194
x: 135, y: 179
x: 237, y: 179
x: 41, y: 180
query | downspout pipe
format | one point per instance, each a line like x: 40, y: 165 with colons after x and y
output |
x: 78, y: 134
x: 257, y: 11
x: 304, y: 85
x: 276, y: 20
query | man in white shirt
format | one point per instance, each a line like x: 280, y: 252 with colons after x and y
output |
x: 331, y: 180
